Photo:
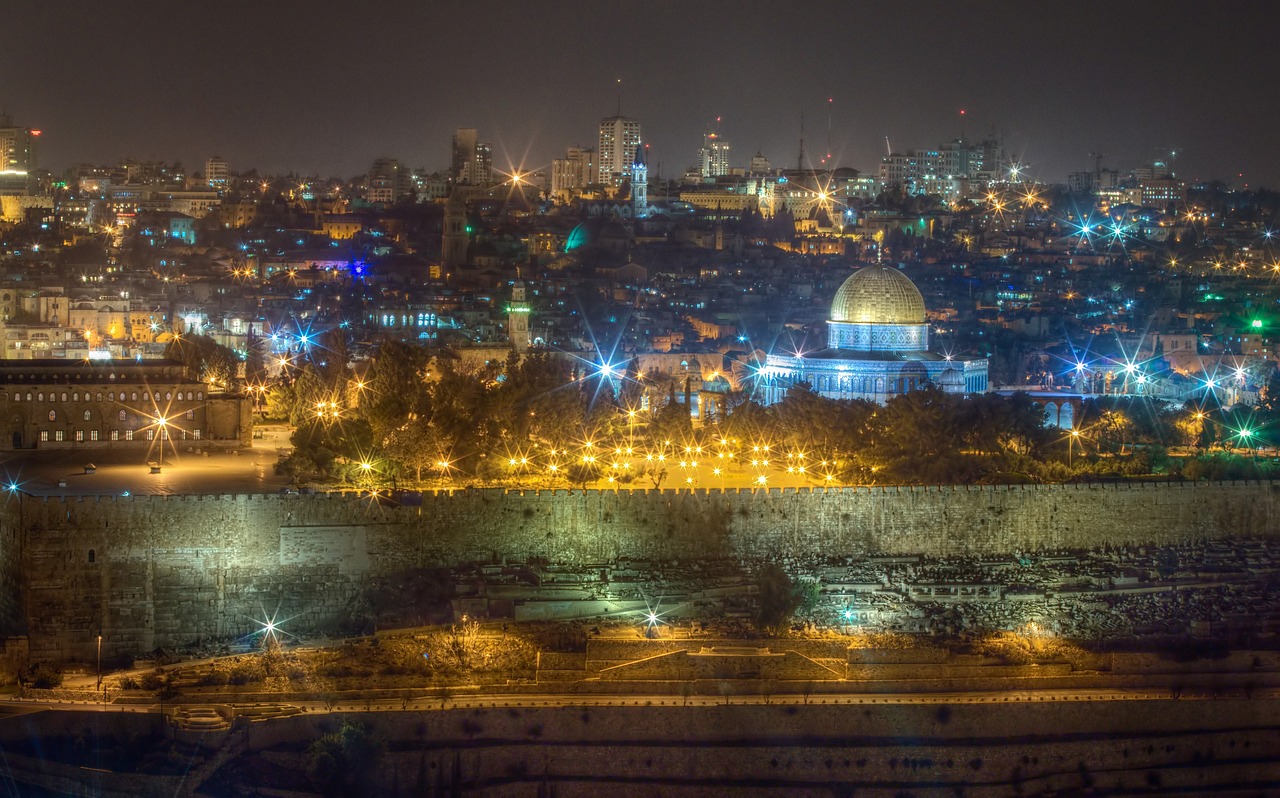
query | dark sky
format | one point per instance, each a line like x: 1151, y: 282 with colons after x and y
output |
x: 326, y: 87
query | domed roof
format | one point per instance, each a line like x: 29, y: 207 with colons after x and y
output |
x: 878, y: 295
x: 950, y: 378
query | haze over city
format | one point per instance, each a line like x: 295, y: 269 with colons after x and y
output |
x: 324, y: 87
x: 614, y: 398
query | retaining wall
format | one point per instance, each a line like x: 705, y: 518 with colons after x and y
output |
x: 152, y: 571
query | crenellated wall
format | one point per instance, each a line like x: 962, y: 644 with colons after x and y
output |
x: 151, y: 571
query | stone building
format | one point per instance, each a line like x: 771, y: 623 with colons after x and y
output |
x: 877, y: 347
x: 106, y: 404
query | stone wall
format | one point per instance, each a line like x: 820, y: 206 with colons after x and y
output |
x: 152, y: 571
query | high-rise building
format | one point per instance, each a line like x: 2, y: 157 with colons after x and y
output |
x: 17, y: 158
x: 575, y: 171
x: 388, y: 181
x: 217, y: 172
x: 713, y: 157
x: 472, y: 159
x: 619, y: 138
x: 464, y: 152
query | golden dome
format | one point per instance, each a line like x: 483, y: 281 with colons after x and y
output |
x: 878, y: 295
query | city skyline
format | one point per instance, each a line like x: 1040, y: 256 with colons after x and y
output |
x: 270, y: 92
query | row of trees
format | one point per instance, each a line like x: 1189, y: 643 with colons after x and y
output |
x: 419, y: 413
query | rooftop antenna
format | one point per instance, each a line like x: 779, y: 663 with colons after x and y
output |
x: 961, y: 124
x: 887, y: 149
x: 619, y: 97
x: 800, y: 163
x: 827, y: 160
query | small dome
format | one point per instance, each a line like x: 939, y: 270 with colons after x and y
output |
x: 950, y: 378
x: 878, y: 295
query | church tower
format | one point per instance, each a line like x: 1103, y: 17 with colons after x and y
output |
x: 454, y: 239
x: 639, y: 185
x: 518, y: 317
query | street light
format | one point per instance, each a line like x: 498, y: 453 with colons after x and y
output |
x: 99, y: 661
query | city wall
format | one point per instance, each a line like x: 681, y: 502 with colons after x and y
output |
x: 151, y: 571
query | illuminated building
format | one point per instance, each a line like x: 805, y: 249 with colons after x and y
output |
x: 472, y: 159
x: 713, y: 157
x: 877, y: 347
x: 574, y: 172
x: 518, y: 317
x: 103, y: 404
x: 217, y: 172
x: 619, y: 138
x: 639, y: 185
x: 18, y: 160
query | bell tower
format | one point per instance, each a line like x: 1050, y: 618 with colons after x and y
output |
x: 454, y: 238
x: 518, y: 317
x: 639, y: 184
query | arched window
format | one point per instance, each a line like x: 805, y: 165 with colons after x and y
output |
x: 168, y: 396
x: 92, y: 555
x: 87, y: 415
x: 40, y: 396
x: 99, y: 398
x: 64, y: 396
x: 190, y: 396
x: 134, y: 396
x: 121, y: 415
x: 199, y: 395
x: 191, y: 414
x: 28, y: 396
x: 146, y: 396
x: 75, y: 396
x: 53, y: 415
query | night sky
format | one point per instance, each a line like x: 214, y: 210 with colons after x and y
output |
x: 326, y: 87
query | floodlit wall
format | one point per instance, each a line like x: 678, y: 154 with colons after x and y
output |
x: 150, y: 571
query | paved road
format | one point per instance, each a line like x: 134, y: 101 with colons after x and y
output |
x: 15, y: 705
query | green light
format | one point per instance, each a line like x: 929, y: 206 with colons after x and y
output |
x: 1257, y: 324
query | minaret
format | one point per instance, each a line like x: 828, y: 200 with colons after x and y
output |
x: 639, y: 184
x: 518, y: 317
x: 454, y: 240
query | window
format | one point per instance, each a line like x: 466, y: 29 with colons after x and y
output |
x: 44, y: 435
x: 99, y: 396
x: 28, y: 396
x: 57, y: 435
x: 79, y: 436
x: 94, y: 434
x: 151, y: 435
x: 115, y: 434
x: 199, y: 395
x: 168, y: 396
x: 164, y: 434
x: 92, y: 555
x: 128, y: 435
x: 134, y: 396
x: 146, y: 396
x: 122, y: 415
x: 190, y: 396
x: 195, y: 433
x: 87, y: 415
x: 75, y: 397
x: 64, y: 396
x: 40, y: 396
x: 53, y: 415
x: 191, y: 414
